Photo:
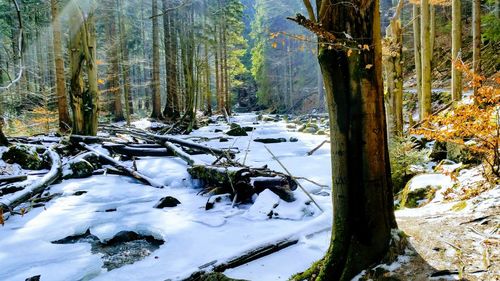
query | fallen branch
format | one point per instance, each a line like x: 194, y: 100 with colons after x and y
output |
x: 10, y: 179
x: 289, y: 174
x: 8, y: 203
x: 131, y: 172
x: 180, y: 153
x: 317, y: 147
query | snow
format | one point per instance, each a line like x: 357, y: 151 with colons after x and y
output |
x: 193, y: 236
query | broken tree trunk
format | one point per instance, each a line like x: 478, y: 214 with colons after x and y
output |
x: 131, y: 172
x: 243, y: 182
x: 8, y: 203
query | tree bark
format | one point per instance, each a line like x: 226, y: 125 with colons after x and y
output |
x: 155, y: 83
x: 113, y: 78
x: 418, y: 55
x: 125, y: 64
x: 84, y: 96
x: 426, y: 60
x: 476, y: 37
x: 62, y: 102
x: 169, y: 23
x: 363, y: 214
x: 456, y: 46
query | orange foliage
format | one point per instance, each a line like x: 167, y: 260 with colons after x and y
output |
x: 474, y: 123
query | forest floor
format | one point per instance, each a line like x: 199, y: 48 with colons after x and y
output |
x: 69, y: 237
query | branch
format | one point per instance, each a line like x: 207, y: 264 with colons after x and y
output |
x: 310, y: 10
x: 166, y: 11
x: 314, y: 27
x: 20, y: 48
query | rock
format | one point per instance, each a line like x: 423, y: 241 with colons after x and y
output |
x: 167, y: 202
x: 461, y: 154
x: 293, y: 139
x: 291, y: 126
x: 277, y: 186
x: 248, y: 129
x: 81, y: 168
x: 25, y: 156
x: 218, y: 131
x: 438, y: 152
x: 239, y: 132
x: 270, y: 140
x: 320, y: 133
x: 33, y: 278
x: 223, y: 140
x: 310, y: 130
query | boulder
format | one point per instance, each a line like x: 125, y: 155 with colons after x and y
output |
x: 236, y: 131
x: 461, y: 154
x: 167, y: 202
x: 25, y: 156
x: 81, y: 168
x: 293, y: 139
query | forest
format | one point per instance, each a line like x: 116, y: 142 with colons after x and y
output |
x: 256, y: 140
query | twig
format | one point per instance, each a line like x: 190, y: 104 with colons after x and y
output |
x: 298, y: 183
x: 317, y: 147
x: 311, y: 181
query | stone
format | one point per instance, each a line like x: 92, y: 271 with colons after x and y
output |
x: 223, y: 140
x: 216, y: 276
x: 25, y: 156
x: 167, y: 202
x: 439, y: 150
x: 81, y: 168
x: 293, y: 139
x: 236, y: 131
x: 461, y: 154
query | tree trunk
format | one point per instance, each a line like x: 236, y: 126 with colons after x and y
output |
x: 418, y: 56
x: 125, y: 64
x: 62, y: 102
x: 169, y: 23
x: 476, y: 36
x: 155, y: 83
x: 363, y: 214
x: 113, y: 67
x: 426, y: 60
x: 84, y: 100
x: 456, y: 45
x: 393, y: 53
x: 432, y: 28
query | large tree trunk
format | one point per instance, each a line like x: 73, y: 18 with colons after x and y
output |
x: 425, y: 105
x: 3, y: 139
x: 363, y: 214
x: 62, y: 103
x: 155, y: 83
x: 476, y: 36
x: 456, y: 45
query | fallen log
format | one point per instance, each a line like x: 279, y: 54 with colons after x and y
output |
x: 243, y: 182
x: 8, y: 203
x: 129, y: 171
x: 193, y: 145
x: 9, y: 179
x: 137, y: 151
x: 180, y: 153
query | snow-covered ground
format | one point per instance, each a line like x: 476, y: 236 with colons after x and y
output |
x: 194, y: 238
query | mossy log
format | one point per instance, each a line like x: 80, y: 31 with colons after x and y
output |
x: 8, y: 203
x: 243, y: 181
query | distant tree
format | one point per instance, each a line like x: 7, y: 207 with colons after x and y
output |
x: 155, y: 83
x: 363, y: 214
x: 456, y: 46
x: 417, y: 53
x: 425, y: 40
x: 476, y: 37
x: 62, y: 103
